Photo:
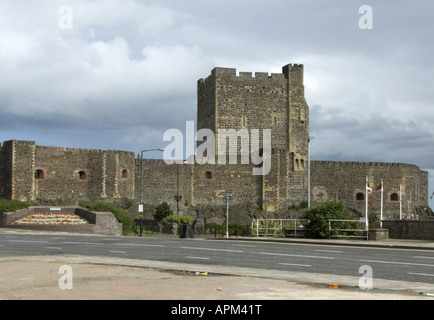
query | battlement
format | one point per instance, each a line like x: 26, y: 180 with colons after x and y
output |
x: 19, y: 143
x: 159, y: 162
x: 79, y: 150
x: 370, y: 164
x: 231, y: 73
x: 294, y: 73
x: 151, y: 162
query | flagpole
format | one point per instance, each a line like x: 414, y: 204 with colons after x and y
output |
x: 400, y: 202
x: 381, y: 211
x: 366, y: 204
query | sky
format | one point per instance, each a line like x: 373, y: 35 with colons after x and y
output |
x: 112, y: 74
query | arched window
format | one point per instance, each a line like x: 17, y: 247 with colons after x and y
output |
x: 39, y: 174
x: 208, y: 175
x: 394, y: 197
x: 124, y: 174
x: 81, y: 175
x: 360, y: 196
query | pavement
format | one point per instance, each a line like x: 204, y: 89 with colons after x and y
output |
x: 34, y: 277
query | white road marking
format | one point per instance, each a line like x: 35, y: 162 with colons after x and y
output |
x: 295, y: 264
x: 295, y: 255
x: 420, y: 257
x: 83, y: 243
x: 398, y: 262
x: 211, y: 249
x: 422, y: 274
x: 114, y: 251
x: 56, y: 248
x: 29, y: 241
x: 331, y: 251
x: 244, y: 245
x: 200, y: 258
x: 138, y: 245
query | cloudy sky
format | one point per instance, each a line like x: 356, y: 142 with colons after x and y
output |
x: 112, y: 74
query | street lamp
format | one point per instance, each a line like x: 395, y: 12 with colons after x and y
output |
x: 141, y: 185
x: 177, y: 196
x: 228, y: 201
x: 308, y: 172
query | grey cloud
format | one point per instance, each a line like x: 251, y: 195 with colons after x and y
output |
x: 128, y: 70
x: 375, y: 138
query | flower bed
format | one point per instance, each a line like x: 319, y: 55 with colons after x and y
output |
x: 51, y: 218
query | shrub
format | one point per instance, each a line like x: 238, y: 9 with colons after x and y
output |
x: 12, y: 205
x: 178, y: 219
x: 162, y: 211
x: 221, y: 229
x: 121, y: 216
x: 319, y: 216
x: 218, y: 228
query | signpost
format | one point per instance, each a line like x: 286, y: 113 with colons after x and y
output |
x: 228, y: 201
x: 140, y: 216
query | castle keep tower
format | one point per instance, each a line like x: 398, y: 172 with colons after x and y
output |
x: 275, y: 102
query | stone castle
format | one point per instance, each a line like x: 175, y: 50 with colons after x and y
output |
x: 226, y: 100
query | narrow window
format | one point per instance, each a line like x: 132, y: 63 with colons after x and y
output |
x: 81, y: 175
x: 208, y: 175
x: 360, y: 196
x: 275, y: 122
x: 39, y: 174
x: 124, y: 174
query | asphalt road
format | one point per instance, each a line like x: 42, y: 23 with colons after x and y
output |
x: 389, y: 264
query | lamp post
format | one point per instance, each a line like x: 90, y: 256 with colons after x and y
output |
x: 177, y: 197
x: 228, y: 201
x: 141, y: 185
x: 308, y: 172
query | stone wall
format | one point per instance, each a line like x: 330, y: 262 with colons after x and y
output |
x: 6, y: 170
x: 410, y: 229
x: 65, y: 175
x: 162, y: 182
x: 346, y: 181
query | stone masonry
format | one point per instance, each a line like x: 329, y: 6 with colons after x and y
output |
x: 226, y: 101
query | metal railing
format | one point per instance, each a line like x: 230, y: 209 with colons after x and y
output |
x: 338, y: 228
x: 346, y: 230
x: 279, y: 227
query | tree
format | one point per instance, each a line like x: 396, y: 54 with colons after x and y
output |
x: 162, y: 211
x: 320, y: 215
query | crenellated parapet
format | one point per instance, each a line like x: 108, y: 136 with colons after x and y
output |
x: 294, y: 72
